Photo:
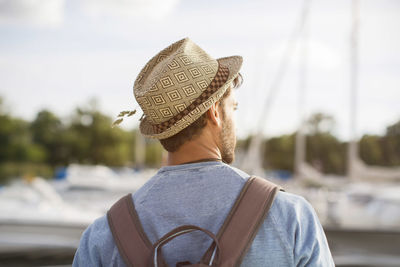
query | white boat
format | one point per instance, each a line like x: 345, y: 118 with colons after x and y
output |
x: 43, y: 219
x: 36, y: 221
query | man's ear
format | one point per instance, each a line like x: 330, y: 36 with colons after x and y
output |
x: 214, y: 114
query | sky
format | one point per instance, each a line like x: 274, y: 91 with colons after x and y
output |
x: 60, y: 54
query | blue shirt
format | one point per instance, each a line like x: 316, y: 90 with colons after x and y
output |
x: 202, y: 194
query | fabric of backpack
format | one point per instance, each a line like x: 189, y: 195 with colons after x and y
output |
x: 230, y: 244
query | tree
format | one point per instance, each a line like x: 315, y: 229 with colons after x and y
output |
x: 320, y: 123
x: 18, y: 154
x: 370, y: 150
x: 391, y: 145
x: 46, y: 131
x: 324, y: 151
x: 279, y: 152
x: 91, y: 139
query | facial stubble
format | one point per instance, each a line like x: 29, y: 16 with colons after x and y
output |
x: 228, y: 140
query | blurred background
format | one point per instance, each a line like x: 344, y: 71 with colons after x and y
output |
x: 319, y: 112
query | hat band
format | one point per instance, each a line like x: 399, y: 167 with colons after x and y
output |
x: 219, y: 80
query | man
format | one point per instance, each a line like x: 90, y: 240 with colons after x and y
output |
x: 188, y: 101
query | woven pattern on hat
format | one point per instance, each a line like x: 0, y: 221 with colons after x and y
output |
x: 219, y: 80
x: 172, y: 80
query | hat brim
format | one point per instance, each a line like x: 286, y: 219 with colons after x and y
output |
x: 234, y: 64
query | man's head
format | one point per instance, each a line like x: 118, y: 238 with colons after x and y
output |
x: 181, y: 90
x: 227, y: 137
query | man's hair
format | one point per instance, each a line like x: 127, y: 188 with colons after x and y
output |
x: 174, y: 142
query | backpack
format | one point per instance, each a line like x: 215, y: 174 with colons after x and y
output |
x: 230, y: 244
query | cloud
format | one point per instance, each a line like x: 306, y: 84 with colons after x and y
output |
x: 129, y: 9
x: 49, y: 13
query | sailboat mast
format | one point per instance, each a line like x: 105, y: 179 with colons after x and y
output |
x: 353, y: 146
x: 300, y: 144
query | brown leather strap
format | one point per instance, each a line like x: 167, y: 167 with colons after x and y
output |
x: 132, y: 242
x: 242, y: 223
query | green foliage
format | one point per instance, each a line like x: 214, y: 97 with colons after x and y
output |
x: 371, y: 150
x: 279, y: 153
x: 323, y: 150
x: 391, y: 145
x: 326, y: 153
x: 37, y: 148
x: 382, y: 150
x: 16, y: 142
x: 46, y: 131
x: 92, y: 140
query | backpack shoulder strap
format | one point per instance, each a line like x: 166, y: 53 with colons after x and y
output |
x: 133, y: 244
x: 245, y: 218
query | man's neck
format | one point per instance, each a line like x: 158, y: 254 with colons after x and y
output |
x: 195, y: 150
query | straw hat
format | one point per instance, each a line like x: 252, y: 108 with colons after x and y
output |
x: 178, y: 85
